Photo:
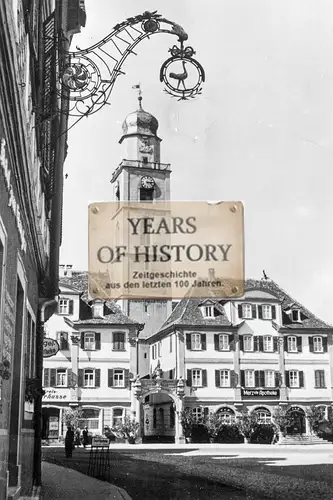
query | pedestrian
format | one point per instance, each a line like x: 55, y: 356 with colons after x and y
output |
x: 69, y: 442
x: 78, y: 436
x: 85, y: 436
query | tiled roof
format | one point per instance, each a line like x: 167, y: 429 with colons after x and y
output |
x: 187, y: 311
x: 113, y: 314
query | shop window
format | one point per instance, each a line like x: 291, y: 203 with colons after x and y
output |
x: 226, y: 415
x: 90, y: 418
x: 118, y: 415
x: 264, y: 415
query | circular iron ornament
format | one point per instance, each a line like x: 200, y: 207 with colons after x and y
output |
x: 176, y: 82
x: 150, y: 26
x: 81, y: 77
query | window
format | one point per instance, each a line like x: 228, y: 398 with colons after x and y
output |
x: 268, y: 343
x: 226, y: 415
x: 89, y: 341
x: 224, y: 378
x: 266, y: 311
x: 63, y: 306
x: 195, y: 341
x: 144, y: 159
x: 196, y: 378
x: 159, y: 346
x: 293, y: 378
x: 269, y: 378
x: 61, y: 380
x: 319, y: 379
x: 248, y: 343
x: 318, y: 344
x: 296, y: 315
x: 208, y: 311
x: 154, y: 351
x: 117, y: 416
x: 292, y: 344
x: 197, y: 413
x: 118, y: 378
x: 118, y: 341
x: 146, y: 194
x: 223, y: 342
x: 89, y: 378
x: 62, y: 339
x: 90, y: 418
x: 249, y: 378
x: 264, y: 416
x: 247, y: 311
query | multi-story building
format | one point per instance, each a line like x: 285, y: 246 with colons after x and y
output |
x: 98, y: 356
x: 34, y: 38
x: 251, y: 354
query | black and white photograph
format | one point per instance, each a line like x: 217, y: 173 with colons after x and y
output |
x: 166, y: 249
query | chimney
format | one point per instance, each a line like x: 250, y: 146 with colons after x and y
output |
x: 65, y: 270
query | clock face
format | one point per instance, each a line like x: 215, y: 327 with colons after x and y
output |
x: 147, y: 182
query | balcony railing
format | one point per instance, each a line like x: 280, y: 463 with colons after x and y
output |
x: 142, y: 164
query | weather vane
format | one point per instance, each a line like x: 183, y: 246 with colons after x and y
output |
x: 89, y: 75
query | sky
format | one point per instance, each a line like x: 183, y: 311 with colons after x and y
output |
x: 260, y: 133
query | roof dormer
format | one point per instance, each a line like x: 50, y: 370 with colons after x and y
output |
x: 294, y: 313
x: 97, y: 308
x: 209, y: 309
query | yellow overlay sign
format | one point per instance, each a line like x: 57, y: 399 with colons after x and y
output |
x: 165, y: 250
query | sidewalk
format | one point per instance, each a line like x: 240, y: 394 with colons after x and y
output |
x: 60, y: 483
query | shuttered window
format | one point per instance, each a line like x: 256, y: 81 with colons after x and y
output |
x: 319, y: 379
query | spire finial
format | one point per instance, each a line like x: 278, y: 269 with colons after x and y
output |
x: 138, y: 88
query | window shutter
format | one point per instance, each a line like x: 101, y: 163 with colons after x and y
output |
x: 97, y: 377
x: 69, y: 377
x: 46, y: 377
x: 189, y: 378
x: 241, y: 343
x: 261, y: 343
x: 216, y: 342
x: 70, y: 307
x: 273, y: 312
x: 204, y: 378
x: 82, y: 340
x: 311, y: 344
x: 203, y: 341
x: 286, y: 344
x: 206, y: 411
x: 275, y: 344
x: 127, y: 381
x: 286, y: 373
x: 301, y: 379
x: 260, y: 312
x: 322, y: 378
x: 317, y: 379
x: 254, y: 311
x: 232, y: 342
x: 277, y: 379
x: 299, y: 344
x: 110, y: 378
x: 240, y: 311
x: 98, y: 340
x: 257, y: 378
x: 233, y: 379
x: 217, y: 378
x: 53, y: 377
x: 256, y: 343
x: 325, y: 344
x: 261, y: 378
x: 242, y: 374
x: 188, y: 341
x: 80, y: 378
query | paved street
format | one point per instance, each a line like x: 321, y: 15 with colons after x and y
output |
x: 213, y: 471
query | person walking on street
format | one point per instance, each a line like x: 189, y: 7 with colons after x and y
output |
x: 69, y: 442
x: 78, y: 437
x: 85, y: 437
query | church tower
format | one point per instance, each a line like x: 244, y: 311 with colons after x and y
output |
x: 141, y: 176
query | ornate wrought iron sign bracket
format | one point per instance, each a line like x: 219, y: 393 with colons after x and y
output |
x: 90, y: 74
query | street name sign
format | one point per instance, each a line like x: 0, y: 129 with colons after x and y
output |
x: 99, y: 442
x: 165, y: 250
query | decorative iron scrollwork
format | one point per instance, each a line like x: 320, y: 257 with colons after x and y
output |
x: 89, y: 75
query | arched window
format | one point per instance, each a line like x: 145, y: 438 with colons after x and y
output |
x: 264, y: 415
x: 90, y: 418
x: 226, y: 415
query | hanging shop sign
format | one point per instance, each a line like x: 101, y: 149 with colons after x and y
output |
x: 13, y: 203
x: 261, y: 393
x: 163, y: 250
x: 50, y: 347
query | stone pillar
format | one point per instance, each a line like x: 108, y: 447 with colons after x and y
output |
x: 283, y: 388
x: 61, y: 412
x: 179, y: 435
x: 237, y: 389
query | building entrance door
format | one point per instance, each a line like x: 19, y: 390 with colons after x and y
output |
x: 158, y: 419
x: 297, y: 425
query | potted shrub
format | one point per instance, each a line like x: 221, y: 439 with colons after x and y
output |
x: 128, y: 429
x: 247, y: 425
